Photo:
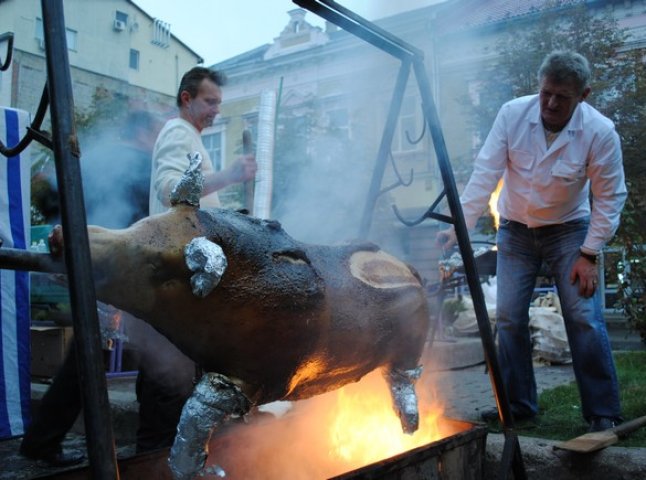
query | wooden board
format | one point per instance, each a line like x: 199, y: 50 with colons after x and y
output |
x: 591, y: 442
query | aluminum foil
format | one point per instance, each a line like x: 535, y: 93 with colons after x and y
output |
x: 402, y: 388
x: 214, y: 400
x: 189, y: 188
x: 208, y: 261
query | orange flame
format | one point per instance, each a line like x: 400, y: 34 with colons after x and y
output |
x: 365, y: 428
x: 493, y: 202
x: 329, y: 434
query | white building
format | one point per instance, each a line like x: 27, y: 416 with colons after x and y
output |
x: 113, y: 46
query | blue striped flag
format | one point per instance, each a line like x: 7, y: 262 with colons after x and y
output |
x: 15, y: 356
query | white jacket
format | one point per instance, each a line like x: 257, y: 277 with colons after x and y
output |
x: 550, y: 186
x: 175, y: 141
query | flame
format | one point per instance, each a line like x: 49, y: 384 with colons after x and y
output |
x: 329, y: 435
x: 365, y: 429
x: 493, y: 202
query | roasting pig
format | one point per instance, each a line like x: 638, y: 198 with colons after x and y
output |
x: 270, y: 318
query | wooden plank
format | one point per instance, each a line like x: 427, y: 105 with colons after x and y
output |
x: 591, y: 442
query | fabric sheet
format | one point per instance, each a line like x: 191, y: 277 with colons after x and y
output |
x: 15, y: 224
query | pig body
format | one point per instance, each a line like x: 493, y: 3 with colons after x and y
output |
x: 286, y: 321
x: 267, y: 317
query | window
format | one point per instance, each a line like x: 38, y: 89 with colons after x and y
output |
x: 121, y: 17
x: 39, y: 29
x: 70, y: 36
x: 134, y: 59
x: 213, y: 142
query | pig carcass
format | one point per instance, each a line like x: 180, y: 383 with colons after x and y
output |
x: 269, y: 318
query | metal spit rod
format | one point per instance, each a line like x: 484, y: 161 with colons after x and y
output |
x: 99, y: 441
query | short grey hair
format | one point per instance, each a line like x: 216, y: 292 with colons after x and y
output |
x: 566, y: 67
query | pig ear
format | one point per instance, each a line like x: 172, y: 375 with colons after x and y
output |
x: 189, y: 187
x: 208, y: 261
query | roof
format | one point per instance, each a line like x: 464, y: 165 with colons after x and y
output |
x: 450, y: 16
x: 465, y: 14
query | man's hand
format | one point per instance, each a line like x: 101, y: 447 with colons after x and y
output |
x: 446, y: 238
x: 243, y: 169
x: 587, y: 274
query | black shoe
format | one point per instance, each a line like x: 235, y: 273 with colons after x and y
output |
x: 491, y: 415
x: 60, y: 458
x: 599, y: 424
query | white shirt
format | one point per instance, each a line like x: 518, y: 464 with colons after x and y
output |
x: 175, y: 141
x: 550, y: 186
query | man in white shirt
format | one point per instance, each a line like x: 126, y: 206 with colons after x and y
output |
x: 166, y: 375
x: 198, y: 100
x: 552, y: 151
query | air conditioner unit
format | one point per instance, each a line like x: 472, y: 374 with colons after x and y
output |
x: 119, y: 26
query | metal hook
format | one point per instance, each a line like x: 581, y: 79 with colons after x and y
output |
x: 33, y: 131
x: 398, y: 175
x: 9, y: 37
x: 428, y: 214
x: 419, y: 139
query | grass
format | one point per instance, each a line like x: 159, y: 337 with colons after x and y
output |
x: 560, y: 409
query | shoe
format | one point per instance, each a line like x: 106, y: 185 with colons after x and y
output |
x: 492, y: 415
x: 59, y: 458
x: 599, y: 424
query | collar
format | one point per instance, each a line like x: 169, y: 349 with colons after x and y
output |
x: 575, y: 123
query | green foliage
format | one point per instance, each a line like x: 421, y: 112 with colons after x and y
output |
x: 107, y: 110
x: 618, y: 91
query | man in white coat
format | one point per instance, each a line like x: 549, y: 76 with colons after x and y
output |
x: 552, y: 151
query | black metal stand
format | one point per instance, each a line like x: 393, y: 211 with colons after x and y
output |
x: 412, y: 57
x: 100, y: 442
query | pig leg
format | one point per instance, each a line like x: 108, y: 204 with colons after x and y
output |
x: 402, y: 389
x: 214, y: 400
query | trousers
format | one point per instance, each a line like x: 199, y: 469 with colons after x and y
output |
x: 521, y: 252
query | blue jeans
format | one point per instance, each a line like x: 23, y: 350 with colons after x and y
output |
x: 521, y: 251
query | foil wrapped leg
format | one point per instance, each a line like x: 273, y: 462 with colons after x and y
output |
x: 214, y: 400
x: 189, y: 187
x: 402, y: 389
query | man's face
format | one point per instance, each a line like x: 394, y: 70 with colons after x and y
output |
x: 204, y: 107
x: 558, y: 101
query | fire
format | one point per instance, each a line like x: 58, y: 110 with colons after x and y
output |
x: 493, y: 202
x: 365, y: 428
x: 328, y: 435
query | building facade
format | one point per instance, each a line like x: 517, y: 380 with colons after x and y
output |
x: 114, y: 48
x: 344, y: 84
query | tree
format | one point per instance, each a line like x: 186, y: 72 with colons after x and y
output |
x: 618, y: 91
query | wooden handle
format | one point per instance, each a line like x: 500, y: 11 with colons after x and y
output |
x: 630, y: 426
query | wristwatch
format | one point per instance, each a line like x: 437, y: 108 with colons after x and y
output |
x: 589, y: 257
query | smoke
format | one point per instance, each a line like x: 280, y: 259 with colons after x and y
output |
x: 325, y: 163
x: 115, y: 169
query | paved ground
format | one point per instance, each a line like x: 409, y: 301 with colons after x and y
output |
x: 455, y: 370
